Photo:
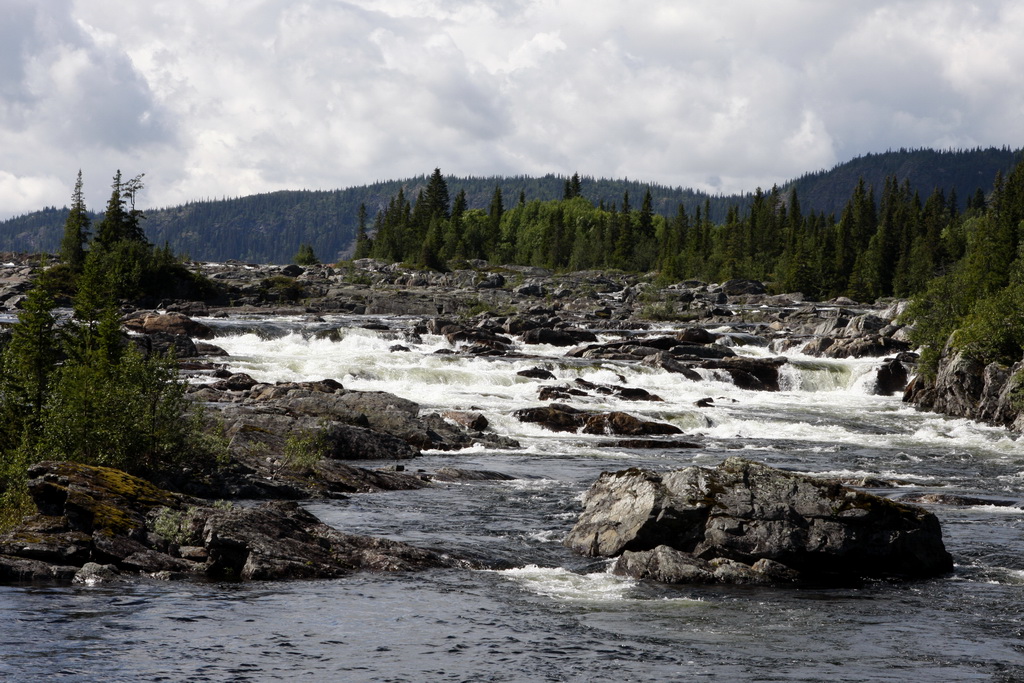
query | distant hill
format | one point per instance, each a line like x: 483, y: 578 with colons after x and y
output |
x: 268, y: 228
x: 927, y: 169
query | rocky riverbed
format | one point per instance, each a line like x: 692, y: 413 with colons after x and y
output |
x: 421, y: 472
x: 479, y: 311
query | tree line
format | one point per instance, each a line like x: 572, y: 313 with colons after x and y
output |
x: 268, y: 228
x: 963, y: 267
x: 887, y: 246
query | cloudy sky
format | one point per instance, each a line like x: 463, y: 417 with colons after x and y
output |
x: 213, y: 98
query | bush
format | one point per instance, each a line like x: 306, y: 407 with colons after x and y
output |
x: 281, y: 288
x: 306, y: 256
x: 303, y: 451
x: 132, y: 414
x: 994, y: 330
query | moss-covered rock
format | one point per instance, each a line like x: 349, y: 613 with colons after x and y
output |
x: 106, y: 517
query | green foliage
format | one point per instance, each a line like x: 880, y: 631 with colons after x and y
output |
x: 121, y: 220
x: 664, y: 311
x: 306, y: 256
x: 304, y: 450
x: 179, y: 526
x: 281, y: 288
x: 130, y: 414
x: 173, y: 525
x: 266, y: 227
x: 15, y: 502
x: 79, y: 389
x: 993, y: 331
x: 76, y: 230
x: 27, y: 364
x: 979, y: 304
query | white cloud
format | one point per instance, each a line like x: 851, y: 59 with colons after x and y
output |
x: 214, y: 98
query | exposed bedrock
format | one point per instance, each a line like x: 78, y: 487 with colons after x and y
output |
x: 96, y: 523
x: 744, y: 522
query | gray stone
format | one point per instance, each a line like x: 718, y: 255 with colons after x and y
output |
x: 810, y: 530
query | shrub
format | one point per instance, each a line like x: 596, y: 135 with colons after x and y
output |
x: 304, y: 450
x: 306, y: 256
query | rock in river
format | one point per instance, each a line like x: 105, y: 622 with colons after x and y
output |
x: 105, y: 517
x: 745, y: 522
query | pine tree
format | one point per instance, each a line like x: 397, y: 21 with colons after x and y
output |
x: 645, y: 219
x: 576, y: 186
x: 76, y: 229
x: 363, y: 245
x: 306, y: 256
x: 27, y: 364
x: 494, y: 213
x: 121, y: 220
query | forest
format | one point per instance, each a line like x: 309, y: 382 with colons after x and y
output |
x: 268, y: 228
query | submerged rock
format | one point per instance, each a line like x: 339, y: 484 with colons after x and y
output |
x: 747, y: 522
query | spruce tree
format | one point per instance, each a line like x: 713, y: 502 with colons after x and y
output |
x: 438, y: 202
x: 575, y: 186
x: 121, y: 219
x: 363, y: 244
x: 27, y: 364
x: 494, y: 213
x: 306, y: 256
x: 76, y: 229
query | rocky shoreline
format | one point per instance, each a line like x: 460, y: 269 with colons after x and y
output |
x: 479, y: 310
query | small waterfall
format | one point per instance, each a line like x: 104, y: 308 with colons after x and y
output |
x: 815, y: 375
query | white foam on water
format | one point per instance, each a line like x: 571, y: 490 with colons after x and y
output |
x: 819, y: 404
x: 998, y: 509
x: 562, y: 584
x: 886, y: 474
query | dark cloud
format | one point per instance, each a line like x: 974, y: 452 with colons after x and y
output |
x: 212, y: 98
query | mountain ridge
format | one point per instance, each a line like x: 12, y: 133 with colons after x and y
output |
x: 269, y: 227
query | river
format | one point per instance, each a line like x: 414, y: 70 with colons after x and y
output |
x: 551, y: 615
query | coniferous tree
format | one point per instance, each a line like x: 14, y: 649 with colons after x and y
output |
x: 645, y: 219
x: 76, y: 229
x: 27, y: 363
x: 363, y: 245
x: 494, y: 213
x: 121, y: 219
x: 306, y: 256
x: 436, y: 196
x: 576, y: 186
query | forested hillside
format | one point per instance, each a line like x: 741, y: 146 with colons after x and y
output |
x: 959, y: 171
x: 270, y: 227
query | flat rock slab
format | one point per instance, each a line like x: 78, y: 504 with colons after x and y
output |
x: 96, y: 523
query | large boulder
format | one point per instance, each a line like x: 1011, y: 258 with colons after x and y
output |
x: 168, y: 323
x: 747, y: 522
x: 559, y: 337
x: 959, y: 384
x: 562, y: 418
x: 891, y: 378
x: 280, y: 540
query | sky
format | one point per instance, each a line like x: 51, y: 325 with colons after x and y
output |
x: 225, y: 98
